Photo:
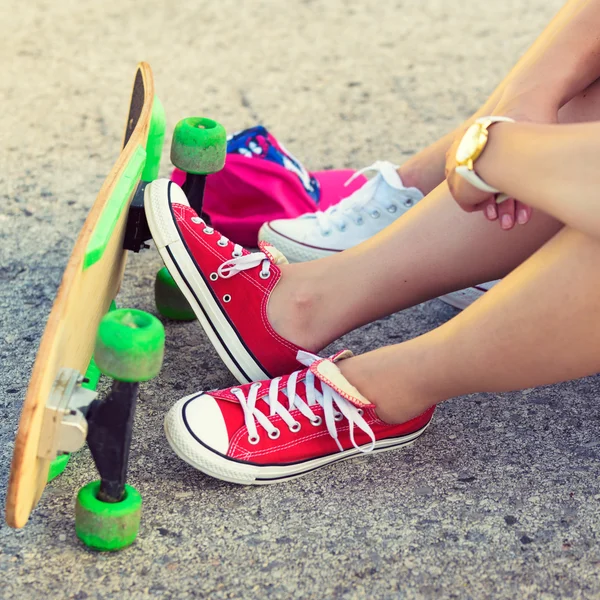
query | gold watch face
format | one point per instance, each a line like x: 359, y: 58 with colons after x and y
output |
x: 472, y: 144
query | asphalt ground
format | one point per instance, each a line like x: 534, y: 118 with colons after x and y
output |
x: 498, y: 500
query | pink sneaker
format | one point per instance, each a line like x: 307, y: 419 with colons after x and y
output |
x: 227, y: 286
x: 270, y: 431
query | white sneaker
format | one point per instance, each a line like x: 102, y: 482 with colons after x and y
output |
x: 377, y: 204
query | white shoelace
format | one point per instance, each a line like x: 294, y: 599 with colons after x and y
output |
x: 238, y: 263
x: 329, y: 399
x: 242, y: 263
x: 355, y: 205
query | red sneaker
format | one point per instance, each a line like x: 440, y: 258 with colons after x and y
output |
x: 270, y: 431
x: 227, y: 286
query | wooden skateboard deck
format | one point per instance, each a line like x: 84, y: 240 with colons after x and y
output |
x: 89, y: 285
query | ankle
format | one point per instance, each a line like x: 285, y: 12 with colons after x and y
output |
x: 396, y: 399
x: 410, y: 175
x: 293, y: 309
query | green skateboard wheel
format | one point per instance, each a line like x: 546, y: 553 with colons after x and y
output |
x: 107, y: 525
x: 199, y: 146
x: 170, y: 302
x: 130, y: 345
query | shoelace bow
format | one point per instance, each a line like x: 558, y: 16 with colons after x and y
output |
x: 242, y: 263
x: 329, y: 399
x: 353, y: 205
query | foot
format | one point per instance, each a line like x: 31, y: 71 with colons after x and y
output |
x: 227, y: 287
x: 276, y: 430
x: 379, y: 202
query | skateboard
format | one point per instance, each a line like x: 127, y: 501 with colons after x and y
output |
x: 60, y: 410
x: 86, y: 335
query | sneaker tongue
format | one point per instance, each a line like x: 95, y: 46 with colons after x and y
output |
x: 328, y: 372
x: 274, y: 255
x: 390, y: 175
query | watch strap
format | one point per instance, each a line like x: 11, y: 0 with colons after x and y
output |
x: 494, y: 119
x: 475, y: 180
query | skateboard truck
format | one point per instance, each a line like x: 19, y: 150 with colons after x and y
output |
x: 110, y: 424
x: 137, y: 232
x: 64, y: 426
x: 199, y: 147
x: 73, y: 414
x: 193, y: 187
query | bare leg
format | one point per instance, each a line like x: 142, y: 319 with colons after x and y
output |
x: 540, y: 325
x: 434, y: 249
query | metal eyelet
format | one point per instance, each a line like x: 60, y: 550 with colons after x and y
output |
x: 360, y: 221
x: 235, y: 254
x: 327, y: 233
x: 253, y: 439
x: 295, y: 428
x: 274, y: 434
x: 264, y: 275
x: 227, y: 298
x: 208, y: 230
x: 316, y: 421
x: 196, y: 220
x: 234, y: 389
x: 361, y: 412
x: 342, y: 228
x: 222, y: 243
x: 392, y: 209
x: 408, y: 202
x: 375, y: 214
x: 338, y: 416
x: 214, y: 276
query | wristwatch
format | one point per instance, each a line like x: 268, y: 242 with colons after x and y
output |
x: 470, y: 148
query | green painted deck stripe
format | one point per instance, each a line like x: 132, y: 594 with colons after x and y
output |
x: 112, y: 211
x: 57, y: 466
x: 156, y: 137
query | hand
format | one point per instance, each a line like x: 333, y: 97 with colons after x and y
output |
x: 520, y: 107
x: 507, y: 213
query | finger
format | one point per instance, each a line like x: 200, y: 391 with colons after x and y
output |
x: 489, y: 209
x: 506, y: 214
x: 523, y: 213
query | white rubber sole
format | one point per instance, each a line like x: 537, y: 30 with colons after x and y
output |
x: 293, y: 251
x: 216, y: 465
x: 220, y: 332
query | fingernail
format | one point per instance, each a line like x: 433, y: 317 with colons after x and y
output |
x: 491, y: 212
x: 507, y: 222
x: 522, y: 217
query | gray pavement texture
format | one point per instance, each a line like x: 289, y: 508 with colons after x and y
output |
x: 498, y: 500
